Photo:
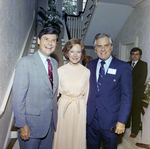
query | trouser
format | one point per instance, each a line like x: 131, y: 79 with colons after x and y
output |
x: 96, y: 135
x: 135, y: 115
x: 38, y: 143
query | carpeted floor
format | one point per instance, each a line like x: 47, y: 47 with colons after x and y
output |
x: 125, y: 141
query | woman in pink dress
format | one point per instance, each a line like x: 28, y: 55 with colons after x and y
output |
x: 73, y: 87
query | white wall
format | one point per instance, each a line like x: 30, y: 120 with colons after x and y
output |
x: 16, y: 17
x: 137, y: 25
x: 91, y: 52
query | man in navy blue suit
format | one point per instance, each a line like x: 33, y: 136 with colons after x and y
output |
x: 110, y: 96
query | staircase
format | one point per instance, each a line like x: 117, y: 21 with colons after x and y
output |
x: 77, y: 25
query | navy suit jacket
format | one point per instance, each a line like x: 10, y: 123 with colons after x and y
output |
x: 113, y: 101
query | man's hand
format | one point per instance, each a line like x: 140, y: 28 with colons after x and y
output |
x: 25, y: 133
x: 120, y: 128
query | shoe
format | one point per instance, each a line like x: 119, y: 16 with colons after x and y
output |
x: 143, y: 145
x: 132, y: 135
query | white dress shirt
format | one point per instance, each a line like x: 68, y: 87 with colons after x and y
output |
x: 106, y: 65
x: 135, y: 62
x: 43, y: 58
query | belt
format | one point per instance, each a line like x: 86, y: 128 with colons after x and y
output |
x: 70, y: 101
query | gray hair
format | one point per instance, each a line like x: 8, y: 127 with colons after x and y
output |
x: 101, y: 35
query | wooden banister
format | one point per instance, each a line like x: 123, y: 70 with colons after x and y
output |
x: 75, y: 24
x: 66, y: 25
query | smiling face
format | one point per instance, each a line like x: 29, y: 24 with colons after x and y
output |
x: 103, y: 48
x: 74, y: 54
x: 47, y: 44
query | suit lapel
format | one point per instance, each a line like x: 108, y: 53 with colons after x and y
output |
x: 55, y: 76
x: 108, y: 77
x: 137, y: 64
x: 94, y: 66
x: 40, y: 69
x: 130, y: 62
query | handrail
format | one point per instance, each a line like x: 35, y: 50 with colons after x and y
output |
x: 66, y: 25
x: 76, y: 25
x: 9, y: 89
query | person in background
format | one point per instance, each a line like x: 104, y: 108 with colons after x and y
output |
x: 110, y: 96
x: 34, y: 94
x: 74, y: 88
x: 139, y: 75
x: 86, y: 59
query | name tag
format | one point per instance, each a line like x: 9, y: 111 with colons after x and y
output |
x: 111, y: 71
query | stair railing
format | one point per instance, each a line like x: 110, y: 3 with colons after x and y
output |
x: 77, y: 25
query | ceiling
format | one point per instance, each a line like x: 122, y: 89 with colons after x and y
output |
x: 122, y: 2
x: 107, y: 18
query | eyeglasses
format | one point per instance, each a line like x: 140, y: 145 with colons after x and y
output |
x: 135, y: 54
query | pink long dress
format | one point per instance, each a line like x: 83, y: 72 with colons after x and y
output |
x: 71, y: 124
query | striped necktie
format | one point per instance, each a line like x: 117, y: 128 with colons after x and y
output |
x: 50, y: 73
x: 101, y: 75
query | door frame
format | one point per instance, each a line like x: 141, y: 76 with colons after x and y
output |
x: 123, y: 49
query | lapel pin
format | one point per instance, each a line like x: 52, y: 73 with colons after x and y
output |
x: 114, y: 80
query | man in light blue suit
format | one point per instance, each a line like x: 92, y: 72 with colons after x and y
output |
x: 34, y: 97
x: 110, y: 96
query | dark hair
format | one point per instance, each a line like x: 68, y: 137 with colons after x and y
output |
x: 136, y: 49
x: 101, y: 35
x: 86, y: 59
x: 47, y: 30
x: 69, y: 45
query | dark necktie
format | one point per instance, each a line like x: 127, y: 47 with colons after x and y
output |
x: 101, y: 75
x: 50, y: 73
x: 133, y: 65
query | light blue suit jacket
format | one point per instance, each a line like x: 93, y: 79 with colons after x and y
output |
x: 34, y: 101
